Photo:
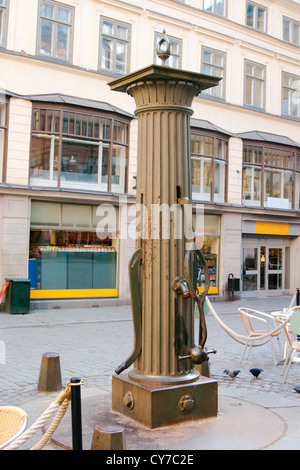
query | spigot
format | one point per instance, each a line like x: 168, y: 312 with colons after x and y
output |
x: 180, y: 287
x: 197, y: 355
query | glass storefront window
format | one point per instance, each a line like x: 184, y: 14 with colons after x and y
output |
x: 90, y: 152
x: 44, y: 159
x: 209, y: 156
x: 219, y: 181
x: 279, y: 170
x: 250, y: 269
x: 67, y: 255
x: 251, y: 186
x: 201, y: 178
x: 278, y: 189
x: 209, y: 243
x: 68, y: 259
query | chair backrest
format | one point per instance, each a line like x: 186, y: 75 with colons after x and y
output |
x: 280, y: 320
x: 13, y: 421
x: 247, y: 321
x: 295, y: 321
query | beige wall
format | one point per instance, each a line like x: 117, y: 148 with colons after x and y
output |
x: 230, y: 249
x: 18, y: 141
x: 14, y: 237
x: 235, y: 169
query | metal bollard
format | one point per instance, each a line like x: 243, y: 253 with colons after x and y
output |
x: 50, y: 374
x: 108, y: 438
x: 75, y: 383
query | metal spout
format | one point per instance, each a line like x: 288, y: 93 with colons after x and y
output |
x: 180, y: 286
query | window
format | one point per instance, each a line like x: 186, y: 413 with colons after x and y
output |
x: 256, y: 16
x: 209, y: 242
x: 271, y: 176
x: 291, y: 31
x: 68, y: 252
x: 3, y: 21
x: 255, y: 85
x: 176, y: 50
x: 290, y: 95
x: 214, y: 63
x: 252, y: 163
x: 114, y: 46
x: 209, y: 167
x: 3, y: 127
x: 55, y: 30
x: 72, y: 149
x: 215, y: 6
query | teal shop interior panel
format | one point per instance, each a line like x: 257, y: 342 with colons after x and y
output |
x: 104, y: 270
x: 54, y: 270
x: 80, y: 272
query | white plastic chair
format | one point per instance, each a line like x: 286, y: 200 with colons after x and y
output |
x: 13, y: 422
x: 292, y: 329
x: 249, y: 316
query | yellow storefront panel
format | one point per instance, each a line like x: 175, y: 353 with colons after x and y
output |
x: 272, y: 228
x: 72, y: 293
x: 211, y: 290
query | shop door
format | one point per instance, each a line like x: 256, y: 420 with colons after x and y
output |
x: 274, y: 271
x: 263, y: 267
x: 250, y: 271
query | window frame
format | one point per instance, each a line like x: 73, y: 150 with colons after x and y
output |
x: 291, y: 25
x: 256, y: 7
x: 212, y: 158
x: 54, y: 33
x: 291, y: 91
x: 61, y: 137
x: 255, y: 79
x: 172, y: 41
x: 214, y: 8
x: 114, y: 38
x: 4, y: 7
x: 213, y: 92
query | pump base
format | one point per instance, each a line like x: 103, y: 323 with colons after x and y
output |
x: 155, y: 405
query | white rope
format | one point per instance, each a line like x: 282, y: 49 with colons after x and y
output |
x: 244, y: 339
x: 52, y: 428
x: 55, y: 405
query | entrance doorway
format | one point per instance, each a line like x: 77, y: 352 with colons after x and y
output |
x: 265, y: 266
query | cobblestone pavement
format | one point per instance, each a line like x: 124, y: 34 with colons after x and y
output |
x: 92, y: 342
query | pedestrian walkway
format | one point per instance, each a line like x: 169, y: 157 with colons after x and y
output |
x: 92, y: 342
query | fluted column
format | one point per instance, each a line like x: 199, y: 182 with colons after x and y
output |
x: 163, y: 100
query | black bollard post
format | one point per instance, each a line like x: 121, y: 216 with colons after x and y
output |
x: 76, y: 413
x: 298, y: 303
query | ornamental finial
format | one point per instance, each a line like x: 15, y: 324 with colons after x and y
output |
x: 163, y: 49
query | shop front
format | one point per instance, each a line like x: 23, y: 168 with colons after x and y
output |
x: 266, y: 258
x: 69, y: 255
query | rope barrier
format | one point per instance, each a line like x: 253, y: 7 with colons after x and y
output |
x: 59, y: 405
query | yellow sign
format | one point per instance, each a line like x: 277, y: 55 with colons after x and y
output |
x: 272, y: 228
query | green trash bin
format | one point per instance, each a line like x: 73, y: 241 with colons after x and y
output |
x: 17, y: 298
